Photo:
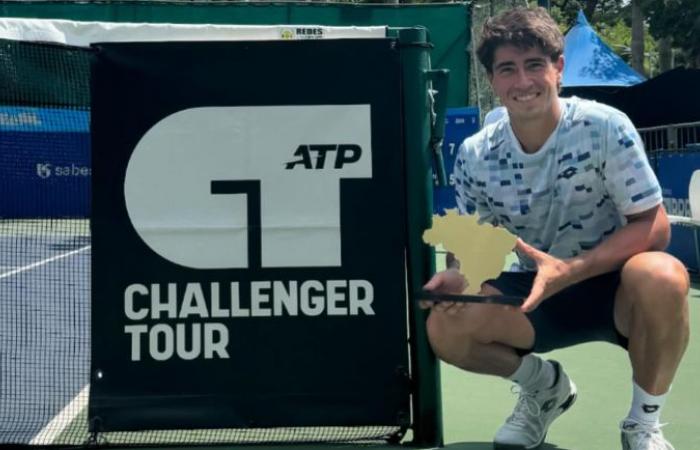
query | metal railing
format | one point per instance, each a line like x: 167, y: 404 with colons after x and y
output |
x: 675, y: 136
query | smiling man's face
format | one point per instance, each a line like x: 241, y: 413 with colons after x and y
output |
x: 526, y: 81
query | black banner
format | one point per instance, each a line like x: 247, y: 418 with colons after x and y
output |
x: 248, y: 235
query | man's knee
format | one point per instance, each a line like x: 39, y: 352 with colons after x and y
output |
x: 653, y: 277
x: 654, y: 287
x: 449, y: 339
x: 453, y: 337
x: 460, y: 338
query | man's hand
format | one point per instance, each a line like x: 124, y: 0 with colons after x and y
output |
x: 553, y: 275
x: 449, y: 281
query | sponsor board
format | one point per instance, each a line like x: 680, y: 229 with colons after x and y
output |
x: 674, y: 169
x: 460, y: 123
x: 248, y: 244
x: 45, y: 159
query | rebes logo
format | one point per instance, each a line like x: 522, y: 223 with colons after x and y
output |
x: 215, y: 187
x: 43, y: 170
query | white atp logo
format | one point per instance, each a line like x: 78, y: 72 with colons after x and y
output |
x: 229, y: 187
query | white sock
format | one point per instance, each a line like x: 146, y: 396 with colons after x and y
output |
x: 646, y: 408
x: 534, y: 373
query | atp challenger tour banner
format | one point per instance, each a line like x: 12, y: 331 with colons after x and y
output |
x: 248, y: 235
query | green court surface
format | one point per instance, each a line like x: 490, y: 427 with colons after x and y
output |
x: 474, y: 406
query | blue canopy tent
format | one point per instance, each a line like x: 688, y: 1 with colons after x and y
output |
x: 592, y: 70
x: 588, y: 61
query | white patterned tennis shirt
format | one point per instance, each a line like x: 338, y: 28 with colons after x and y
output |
x: 570, y: 195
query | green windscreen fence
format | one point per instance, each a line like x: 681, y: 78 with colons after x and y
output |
x: 185, y: 232
x: 448, y: 24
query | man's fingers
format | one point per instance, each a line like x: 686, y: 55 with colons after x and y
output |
x: 449, y: 282
x: 528, y: 305
x: 436, y: 282
x: 433, y: 283
x: 536, y: 294
x: 527, y: 249
x: 443, y: 306
x: 457, y: 308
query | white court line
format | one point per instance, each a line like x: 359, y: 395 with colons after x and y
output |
x: 56, y: 426
x: 41, y: 263
x: 59, y: 423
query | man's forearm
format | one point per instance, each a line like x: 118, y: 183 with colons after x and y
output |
x: 648, y: 231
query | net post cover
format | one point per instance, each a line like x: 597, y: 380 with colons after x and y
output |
x: 248, y: 232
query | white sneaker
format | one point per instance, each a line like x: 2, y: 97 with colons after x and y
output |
x: 527, y: 427
x: 637, y: 436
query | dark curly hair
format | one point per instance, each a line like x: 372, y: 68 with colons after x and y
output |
x: 524, y: 28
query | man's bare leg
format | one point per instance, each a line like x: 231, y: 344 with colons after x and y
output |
x: 652, y: 311
x: 482, y: 339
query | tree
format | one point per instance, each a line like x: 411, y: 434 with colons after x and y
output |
x: 637, y: 41
x: 599, y: 12
x: 678, y: 20
x: 613, y: 20
x: 665, y: 54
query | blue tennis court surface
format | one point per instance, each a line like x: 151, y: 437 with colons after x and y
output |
x: 45, y: 325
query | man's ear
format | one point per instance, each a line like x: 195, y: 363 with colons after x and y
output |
x: 559, y: 66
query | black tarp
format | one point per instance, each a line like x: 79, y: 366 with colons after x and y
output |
x: 672, y: 97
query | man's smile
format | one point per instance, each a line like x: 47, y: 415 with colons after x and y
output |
x: 526, y: 97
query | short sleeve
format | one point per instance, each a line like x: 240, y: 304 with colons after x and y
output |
x: 629, y: 178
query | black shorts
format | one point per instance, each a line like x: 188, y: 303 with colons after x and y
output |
x: 580, y: 313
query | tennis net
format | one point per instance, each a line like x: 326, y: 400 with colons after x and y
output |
x: 45, y: 245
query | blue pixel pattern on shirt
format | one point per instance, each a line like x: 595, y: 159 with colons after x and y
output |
x: 570, y: 195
